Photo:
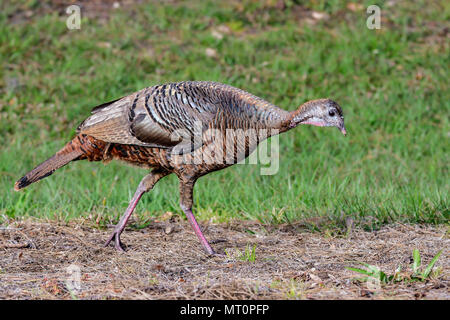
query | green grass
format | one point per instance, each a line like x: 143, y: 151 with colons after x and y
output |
x: 392, y: 84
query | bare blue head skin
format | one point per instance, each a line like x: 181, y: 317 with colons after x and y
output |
x: 320, y: 112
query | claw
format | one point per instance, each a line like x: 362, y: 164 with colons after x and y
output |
x: 117, y: 243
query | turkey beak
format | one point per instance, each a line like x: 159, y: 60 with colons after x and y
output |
x: 342, y: 129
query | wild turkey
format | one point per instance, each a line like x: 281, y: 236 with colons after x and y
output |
x: 186, y: 128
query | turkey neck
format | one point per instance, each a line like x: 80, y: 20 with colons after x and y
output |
x: 293, y: 118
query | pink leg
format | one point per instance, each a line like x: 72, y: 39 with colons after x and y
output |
x: 145, y: 185
x: 123, y: 221
x: 198, y: 231
x: 186, y: 195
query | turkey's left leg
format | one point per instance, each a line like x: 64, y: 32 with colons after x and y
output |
x: 186, y: 195
x: 146, y: 184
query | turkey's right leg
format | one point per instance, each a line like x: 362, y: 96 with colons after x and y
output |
x: 146, y: 184
x: 186, y: 201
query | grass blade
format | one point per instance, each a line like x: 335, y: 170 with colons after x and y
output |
x: 427, y: 271
x: 362, y: 271
x: 416, y: 258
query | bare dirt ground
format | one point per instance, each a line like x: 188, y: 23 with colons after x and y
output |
x: 165, y: 261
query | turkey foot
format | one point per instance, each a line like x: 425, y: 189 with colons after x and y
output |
x: 117, y: 243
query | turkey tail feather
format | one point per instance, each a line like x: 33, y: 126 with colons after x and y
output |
x: 61, y: 158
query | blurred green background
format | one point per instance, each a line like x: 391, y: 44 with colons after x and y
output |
x: 392, y: 84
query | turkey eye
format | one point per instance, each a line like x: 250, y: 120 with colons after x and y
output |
x: 331, y: 113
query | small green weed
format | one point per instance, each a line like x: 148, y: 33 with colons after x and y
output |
x: 248, y: 255
x: 374, y: 273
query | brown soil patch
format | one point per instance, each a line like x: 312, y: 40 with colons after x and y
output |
x: 165, y: 261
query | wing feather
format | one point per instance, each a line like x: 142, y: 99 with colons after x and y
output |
x: 159, y: 116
